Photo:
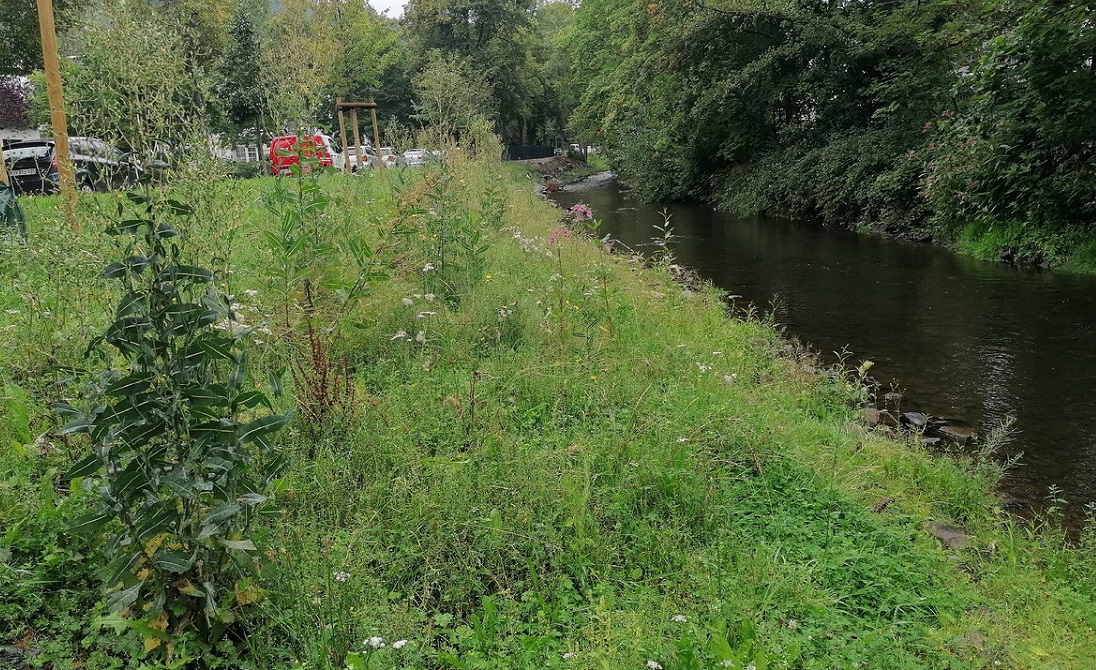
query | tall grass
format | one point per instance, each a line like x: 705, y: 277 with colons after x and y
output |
x: 554, y: 460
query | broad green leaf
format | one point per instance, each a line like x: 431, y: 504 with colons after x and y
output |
x: 81, y: 424
x: 130, y: 480
x: 192, y: 273
x: 130, y: 384
x: 262, y: 426
x: 239, y: 545
x: 172, y: 560
x: 89, y: 523
x: 217, y: 347
x: 249, y: 399
x: 236, y: 378
x: 159, y: 523
x: 252, y: 498
x: 119, y: 600
x: 121, y: 567
x: 84, y: 467
x: 114, y: 270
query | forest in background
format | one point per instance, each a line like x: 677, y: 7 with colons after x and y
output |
x: 970, y: 121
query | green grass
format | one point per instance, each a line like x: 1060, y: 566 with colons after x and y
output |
x: 579, y: 452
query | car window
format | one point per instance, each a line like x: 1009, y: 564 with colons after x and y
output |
x: 107, y: 151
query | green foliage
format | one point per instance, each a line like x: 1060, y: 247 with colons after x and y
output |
x: 241, y: 85
x: 21, y: 38
x: 1018, y: 149
x: 131, y: 84
x: 451, y: 96
x: 180, y: 457
x: 903, y: 116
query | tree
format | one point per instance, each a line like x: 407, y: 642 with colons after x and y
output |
x: 241, y: 74
x: 450, y: 96
x: 298, y: 60
x: 14, y: 107
x: 130, y: 83
x: 497, y: 39
x: 20, y: 38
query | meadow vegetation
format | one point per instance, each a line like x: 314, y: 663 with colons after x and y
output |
x: 508, y: 449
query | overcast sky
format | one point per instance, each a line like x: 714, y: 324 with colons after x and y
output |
x: 394, y: 8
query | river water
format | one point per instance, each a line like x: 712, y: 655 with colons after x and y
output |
x: 972, y: 341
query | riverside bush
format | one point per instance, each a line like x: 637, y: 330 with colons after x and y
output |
x: 180, y: 459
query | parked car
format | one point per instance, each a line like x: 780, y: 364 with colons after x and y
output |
x: 416, y: 157
x: 389, y: 157
x: 363, y: 157
x: 97, y: 166
x: 285, y: 152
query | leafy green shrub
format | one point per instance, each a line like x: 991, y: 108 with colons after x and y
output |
x: 179, y: 457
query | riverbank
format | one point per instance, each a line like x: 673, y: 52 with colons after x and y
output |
x: 552, y: 458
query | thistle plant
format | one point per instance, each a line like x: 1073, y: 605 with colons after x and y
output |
x: 180, y: 446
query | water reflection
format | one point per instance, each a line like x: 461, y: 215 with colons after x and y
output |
x: 976, y: 342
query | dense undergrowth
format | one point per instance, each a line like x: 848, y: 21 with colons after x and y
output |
x: 511, y: 450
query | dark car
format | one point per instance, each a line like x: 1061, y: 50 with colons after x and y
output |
x: 32, y: 165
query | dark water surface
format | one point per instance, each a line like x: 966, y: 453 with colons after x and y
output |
x: 972, y: 341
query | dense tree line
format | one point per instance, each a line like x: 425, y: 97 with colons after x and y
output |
x: 962, y: 117
x: 251, y: 66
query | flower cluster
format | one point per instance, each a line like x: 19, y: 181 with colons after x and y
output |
x: 557, y: 235
x: 581, y: 212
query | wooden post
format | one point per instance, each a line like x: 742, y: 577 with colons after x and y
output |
x: 342, y: 136
x: 57, y: 109
x: 3, y: 168
x: 357, y: 137
x: 376, y: 135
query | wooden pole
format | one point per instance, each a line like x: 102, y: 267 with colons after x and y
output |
x: 57, y: 109
x: 376, y: 135
x: 3, y: 168
x: 357, y: 137
x: 342, y: 136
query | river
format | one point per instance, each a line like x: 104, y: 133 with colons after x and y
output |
x: 972, y: 341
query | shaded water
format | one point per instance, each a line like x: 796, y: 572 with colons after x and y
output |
x: 972, y: 341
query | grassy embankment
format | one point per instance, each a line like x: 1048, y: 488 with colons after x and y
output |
x: 566, y: 461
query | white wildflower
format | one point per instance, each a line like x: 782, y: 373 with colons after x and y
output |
x: 568, y: 655
x: 259, y: 341
x: 727, y: 663
x: 407, y: 302
x: 430, y: 297
x: 421, y: 337
x: 13, y: 312
x: 398, y: 644
x: 654, y: 665
x: 400, y: 335
x: 250, y: 292
x: 751, y: 666
x: 717, y: 353
x: 703, y: 368
x: 423, y: 315
x: 681, y: 440
x: 375, y: 642
x: 679, y: 618
x: 341, y: 576
x: 730, y: 379
x: 263, y: 329
x: 428, y: 267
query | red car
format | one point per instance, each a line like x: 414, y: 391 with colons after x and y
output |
x: 284, y: 151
